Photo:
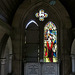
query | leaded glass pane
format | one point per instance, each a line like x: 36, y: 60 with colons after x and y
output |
x: 50, y: 42
x: 41, y: 15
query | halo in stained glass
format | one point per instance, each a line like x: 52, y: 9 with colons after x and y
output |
x: 50, y: 42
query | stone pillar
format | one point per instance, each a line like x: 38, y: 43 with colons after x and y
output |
x: 3, y: 61
x: 10, y: 63
x: 73, y: 64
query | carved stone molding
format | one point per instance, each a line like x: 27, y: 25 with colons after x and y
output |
x: 3, y: 61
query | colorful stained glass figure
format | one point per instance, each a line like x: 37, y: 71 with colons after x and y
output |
x: 41, y: 15
x: 50, y: 42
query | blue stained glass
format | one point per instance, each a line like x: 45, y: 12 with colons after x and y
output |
x: 54, y: 41
x: 54, y: 54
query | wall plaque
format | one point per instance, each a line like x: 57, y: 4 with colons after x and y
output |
x: 50, y: 69
x: 32, y: 69
x: 41, y: 69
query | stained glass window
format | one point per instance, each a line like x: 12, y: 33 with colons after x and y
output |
x: 41, y: 15
x: 50, y: 42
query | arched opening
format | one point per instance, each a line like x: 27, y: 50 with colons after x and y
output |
x: 30, y: 33
x: 31, y: 41
x: 6, y: 57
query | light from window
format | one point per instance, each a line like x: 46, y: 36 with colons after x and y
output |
x: 50, y: 42
x: 41, y: 15
x: 32, y: 21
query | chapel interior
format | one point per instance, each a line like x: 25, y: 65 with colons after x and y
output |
x: 37, y: 37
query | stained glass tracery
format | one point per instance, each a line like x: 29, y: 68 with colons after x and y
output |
x: 50, y: 42
x: 41, y: 15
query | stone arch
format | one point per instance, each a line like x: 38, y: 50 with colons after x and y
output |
x: 62, y: 21
x: 25, y: 8
x: 6, y: 55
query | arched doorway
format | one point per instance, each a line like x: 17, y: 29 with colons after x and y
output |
x: 36, y: 27
x: 6, y: 55
x: 28, y: 27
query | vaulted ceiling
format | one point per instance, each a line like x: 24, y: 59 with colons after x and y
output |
x: 9, y: 7
x: 70, y: 7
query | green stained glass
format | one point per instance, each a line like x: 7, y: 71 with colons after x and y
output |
x: 50, y: 42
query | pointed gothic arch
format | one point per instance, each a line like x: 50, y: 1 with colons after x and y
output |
x: 55, y: 15
x: 6, y: 55
x: 32, y: 21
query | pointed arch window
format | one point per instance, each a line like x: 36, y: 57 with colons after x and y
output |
x: 31, y: 41
x: 50, y: 42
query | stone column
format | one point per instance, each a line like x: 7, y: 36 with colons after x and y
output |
x: 10, y: 63
x: 73, y: 64
x: 3, y: 61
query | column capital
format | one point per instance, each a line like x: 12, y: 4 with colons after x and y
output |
x: 10, y: 56
x: 3, y: 61
x: 73, y: 55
